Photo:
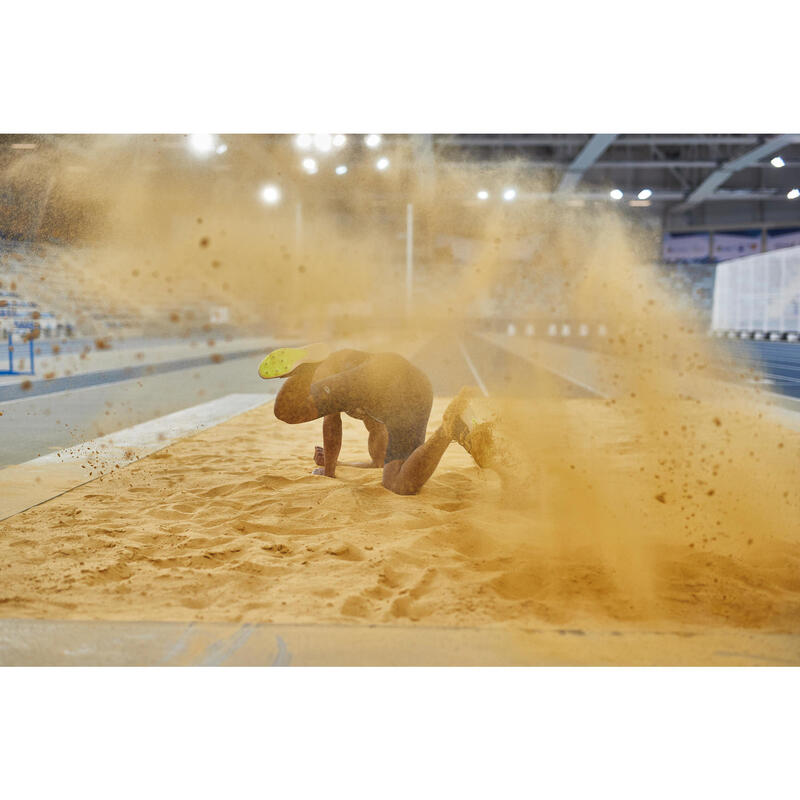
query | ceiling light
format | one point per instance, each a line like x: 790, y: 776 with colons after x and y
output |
x: 509, y: 195
x: 310, y: 165
x: 615, y: 194
x: 483, y: 195
x: 271, y: 194
x: 778, y: 162
x: 201, y: 144
x: 303, y: 141
x: 323, y: 142
x: 372, y: 140
x: 793, y: 194
x: 382, y: 163
x: 223, y: 148
x: 339, y: 140
x: 341, y: 169
x: 645, y: 194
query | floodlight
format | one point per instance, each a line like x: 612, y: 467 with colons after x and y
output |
x: 372, y: 140
x: 382, y: 163
x: 793, y: 194
x: 223, y: 148
x: 323, y: 142
x: 310, y: 165
x: 303, y: 141
x: 483, y: 195
x: 271, y: 194
x: 341, y: 169
x: 615, y: 194
x: 645, y: 194
x: 778, y: 162
x: 201, y: 144
x: 339, y: 140
x: 509, y: 195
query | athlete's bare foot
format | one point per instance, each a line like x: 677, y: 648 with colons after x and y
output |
x: 452, y: 423
x: 476, y: 438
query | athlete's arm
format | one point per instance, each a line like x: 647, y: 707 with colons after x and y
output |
x: 331, y: 442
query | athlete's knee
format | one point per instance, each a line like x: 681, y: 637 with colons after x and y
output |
x: 394, y: 481
x: 399, y: 487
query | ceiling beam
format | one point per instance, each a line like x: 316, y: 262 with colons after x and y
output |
x: 591, y: 151
x: 705, y: 191
x: 655, y: 164
x: 542, y: 139
x: 503, y: 140
x: 528, y: 163
x: 689, y: 139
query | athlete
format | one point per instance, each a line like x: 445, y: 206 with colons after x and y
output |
x: 387, y: 392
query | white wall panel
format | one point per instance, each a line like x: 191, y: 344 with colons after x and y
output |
x: 759, y: 292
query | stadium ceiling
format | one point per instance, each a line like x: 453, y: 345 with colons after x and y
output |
x: 697, y: 180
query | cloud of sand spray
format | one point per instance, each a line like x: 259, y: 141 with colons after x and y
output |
x: 170, y: 232
x: 621, y: 499
x: 669, y: 499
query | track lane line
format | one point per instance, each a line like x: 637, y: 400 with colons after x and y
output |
x: 547, y: 368
x: 472, y: 368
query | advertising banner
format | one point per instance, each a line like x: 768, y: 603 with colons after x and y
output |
x: 783, y: 237
x: 686, y: 246
x: 733, y: 244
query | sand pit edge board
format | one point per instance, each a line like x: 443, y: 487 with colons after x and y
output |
x: 97, y: 643
x: 41, y: 479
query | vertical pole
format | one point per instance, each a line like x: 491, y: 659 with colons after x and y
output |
x: 33, y: 371
x: 38, y: 216
x: 409, y: 255
x: 298, y: 228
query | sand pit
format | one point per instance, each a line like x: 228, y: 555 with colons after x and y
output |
x: 229, y: 525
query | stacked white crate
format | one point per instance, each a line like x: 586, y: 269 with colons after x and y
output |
x: 758, y: 293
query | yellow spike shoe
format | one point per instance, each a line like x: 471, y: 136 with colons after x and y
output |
x: 279, y: 363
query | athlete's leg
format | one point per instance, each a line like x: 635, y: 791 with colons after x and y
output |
x: 409, y: 476
x: 376, y: 444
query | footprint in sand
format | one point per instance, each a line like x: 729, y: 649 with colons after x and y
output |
x: 407, y: 604
x: 356, y: 606
x: 449, y: 506
x: 343, y: 550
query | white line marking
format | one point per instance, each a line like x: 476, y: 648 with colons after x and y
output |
x: 538, y: 363
x: 106, y: 453
x: 570, y: 379
x: 472, y: 369
x: 155, y: 434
